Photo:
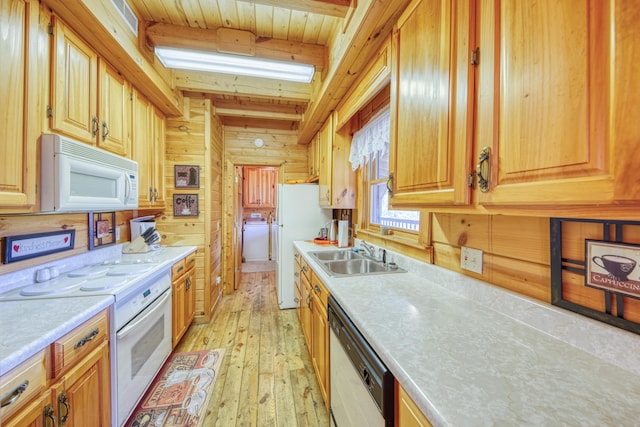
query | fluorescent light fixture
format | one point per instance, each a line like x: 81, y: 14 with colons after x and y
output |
x: 234, y: 64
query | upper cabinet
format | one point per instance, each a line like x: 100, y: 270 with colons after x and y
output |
x: 90, y: 100
x: 148, y: 150
x: 19, y: 110
x: 259, y: 187
x: 432, y: 104
x: 547, y: 104
x: 314, y: 158
x: 336, y: 179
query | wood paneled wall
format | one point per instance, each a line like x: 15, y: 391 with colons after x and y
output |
x: 516, y: 249
x: 195, y: 139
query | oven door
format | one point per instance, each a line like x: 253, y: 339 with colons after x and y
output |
x: 142, y: 346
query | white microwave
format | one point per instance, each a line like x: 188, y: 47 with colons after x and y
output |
x: 77, y: 177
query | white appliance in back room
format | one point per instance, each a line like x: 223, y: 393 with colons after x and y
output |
x: 299, y: 217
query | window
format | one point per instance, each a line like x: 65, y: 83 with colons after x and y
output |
x: 370, y: 150
x: 378, y: 197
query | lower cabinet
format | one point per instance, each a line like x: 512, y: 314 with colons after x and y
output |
x: 320, y: 335
x: 66, y: 384
x: 407, y: 413
x: 183, y: 278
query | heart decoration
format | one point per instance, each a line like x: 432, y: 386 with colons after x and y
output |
x: 16, y: 248
x: 66, y: 239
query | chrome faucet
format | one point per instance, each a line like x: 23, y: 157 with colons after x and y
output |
x: 369, y: 248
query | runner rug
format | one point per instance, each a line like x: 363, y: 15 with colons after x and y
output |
x: 179, y: 394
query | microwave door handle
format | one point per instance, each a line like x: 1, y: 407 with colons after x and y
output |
x: 127, y: 187
x: 150, y: 311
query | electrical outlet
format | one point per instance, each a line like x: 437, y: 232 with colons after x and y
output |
x: 218, y: 280
x: 471, y: 259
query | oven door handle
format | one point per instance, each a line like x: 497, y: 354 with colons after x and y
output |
x: 150, y: 311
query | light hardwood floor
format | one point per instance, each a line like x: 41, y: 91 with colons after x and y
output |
x: 266, y: 377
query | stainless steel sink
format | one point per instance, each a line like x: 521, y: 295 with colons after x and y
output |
x: 335, y: 255
x: 348, y: 263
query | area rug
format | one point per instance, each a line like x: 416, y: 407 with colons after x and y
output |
x: 179, y: 394
x: 258, y: 266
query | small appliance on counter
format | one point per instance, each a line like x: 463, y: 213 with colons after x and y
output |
x: 144, y: 236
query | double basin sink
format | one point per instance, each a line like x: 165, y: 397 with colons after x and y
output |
x: 349, y: 263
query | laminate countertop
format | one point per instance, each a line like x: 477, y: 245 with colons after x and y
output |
x: 27, y: 326
x: 472, y: 354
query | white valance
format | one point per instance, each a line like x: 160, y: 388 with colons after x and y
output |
x: 371, y: 139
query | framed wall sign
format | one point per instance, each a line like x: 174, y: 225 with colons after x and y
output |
x: 186, y: 176
x: 612, y: 266
x: 102, y: 227
x: 27, y: 246
x: 185, y: 205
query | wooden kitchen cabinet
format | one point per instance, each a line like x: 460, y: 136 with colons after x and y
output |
x: 148, y: 141
x: 183, y: 278
x: 432, y: 104
x: 20, y: 45
x: 70, y: 380
x: 320, y: 335
x: 90, y: 100
x: 260, y: 185
x: 547, y: 103
x: 305, y: 302
x: 407, y: 412
x: 313, y: 152
x: 336, y: 179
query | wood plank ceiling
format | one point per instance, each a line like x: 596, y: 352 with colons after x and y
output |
x: 300, y: 30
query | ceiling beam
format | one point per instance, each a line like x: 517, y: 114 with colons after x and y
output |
x: 255, y: 114
x: 239, y: 42
x: 227, y: 84
x: 337, y: 8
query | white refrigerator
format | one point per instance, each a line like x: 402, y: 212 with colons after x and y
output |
x: 299, y: 217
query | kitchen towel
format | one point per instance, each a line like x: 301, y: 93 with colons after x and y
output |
x: 343, y: 234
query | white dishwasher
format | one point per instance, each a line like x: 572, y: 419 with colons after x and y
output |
x: 362, y: 388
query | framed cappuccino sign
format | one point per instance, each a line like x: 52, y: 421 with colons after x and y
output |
x: 613, y: 267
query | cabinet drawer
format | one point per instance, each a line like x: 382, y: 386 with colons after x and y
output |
x: 22, y: 383
x: 178, y: 269
x: 190, y: 261
x: 319, y: 290
x: 72, y: 347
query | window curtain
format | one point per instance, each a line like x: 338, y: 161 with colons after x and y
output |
x: 371, y: 139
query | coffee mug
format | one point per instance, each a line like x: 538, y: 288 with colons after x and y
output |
x: 618, y: 266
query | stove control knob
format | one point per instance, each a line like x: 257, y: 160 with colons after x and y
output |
x: 43, y: 275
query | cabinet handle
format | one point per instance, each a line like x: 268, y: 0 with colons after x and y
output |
x: 90, y: 337
x: 105, y: 130
x: 14, y: 395
x: 151, y: 194
x: 48, y: 414
x: 483, y: 169
x: 188, y: 284
x: 317, y: 289
x: 296, y: 274
x: 309, y: 301
x: 63, y: 402
x: 304, y: 268
x: 94, y: 126
x: 390, y: 183
x: 180, y: 269
x: 155, y: 194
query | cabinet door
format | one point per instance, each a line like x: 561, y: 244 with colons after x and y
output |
x: 545, y: 99
x: 178, y: 309
x: 325, y: 169
x: 408, y: 414
x: 305, y: 310
x: 432, y: 104
x: 157, y: 155
x: 313, y: 158
x: 39, y: 413
x: 141, y: 148
x: 19, y: 71
x: 190, y: 298
x: 74, y: 85
x: 83, y: 394
x: 268, y: 178
x: 320, y: 346
x: 251, y: 187
x: 114, y: 111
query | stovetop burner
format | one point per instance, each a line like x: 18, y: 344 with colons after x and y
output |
x: 103, y: 283
x: 89, y: 271
x: 53, y: 286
